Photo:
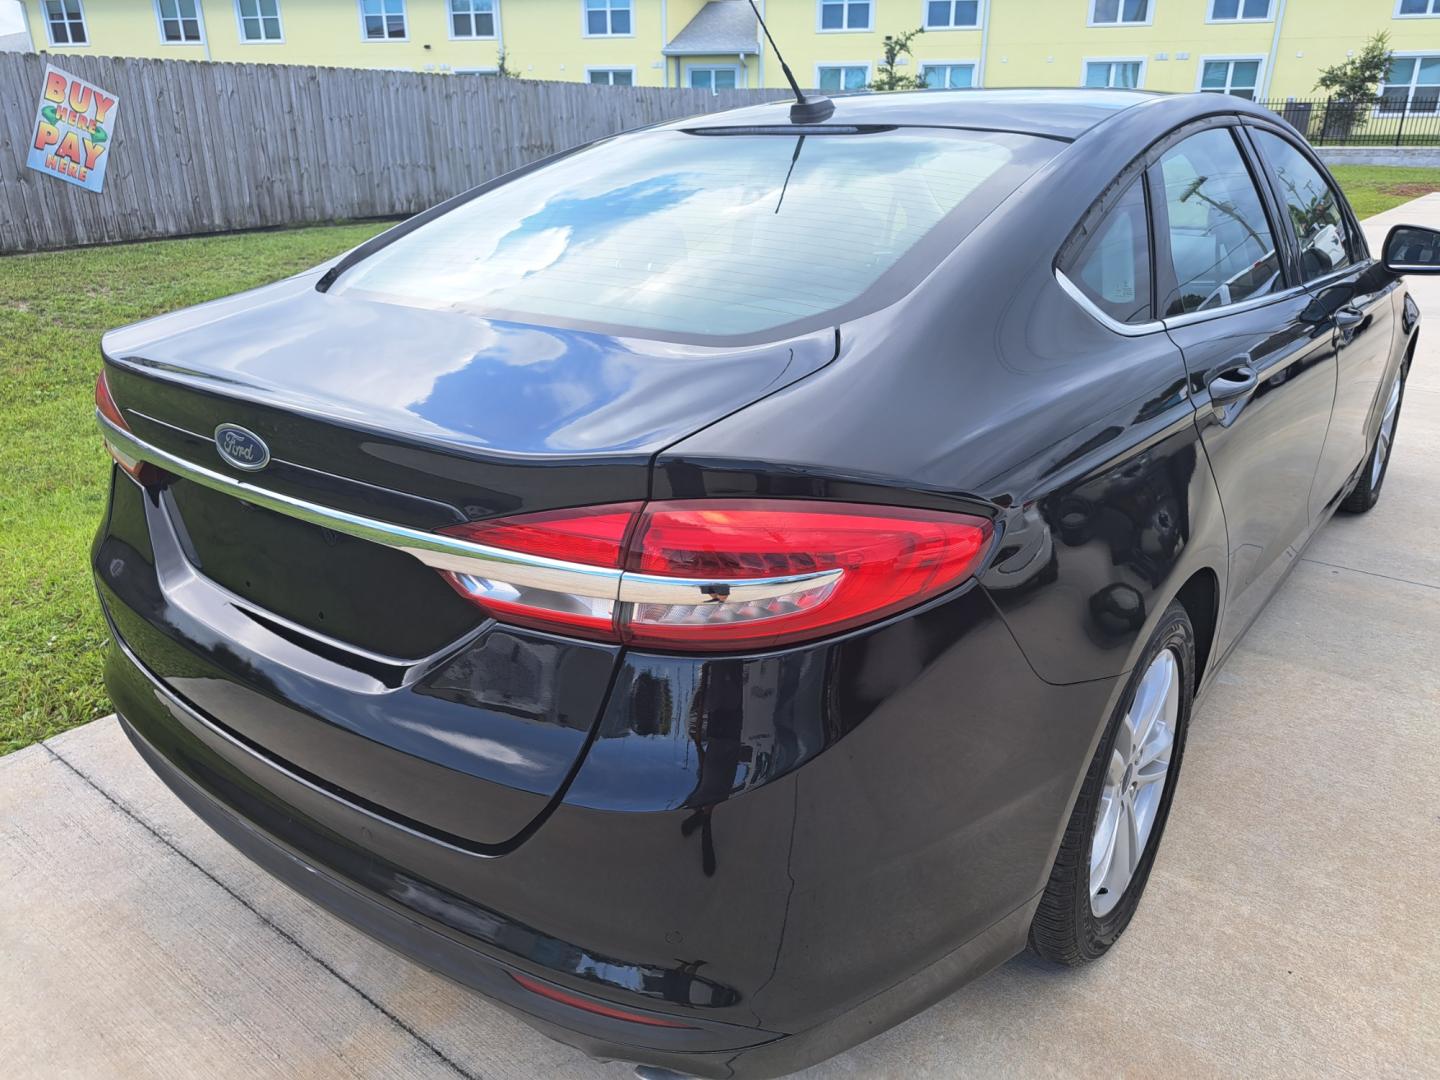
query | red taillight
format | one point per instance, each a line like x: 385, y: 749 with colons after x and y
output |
x: 105, y: 404
x: 554, y: 993
x: 721, y: 573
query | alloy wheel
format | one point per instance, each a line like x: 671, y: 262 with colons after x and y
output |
x: 1134, y: 782
x: 1387, y: 434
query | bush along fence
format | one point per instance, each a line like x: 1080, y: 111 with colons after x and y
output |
x: 1390, y: 121
x: 208, y: 147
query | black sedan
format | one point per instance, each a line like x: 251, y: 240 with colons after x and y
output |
x: 719, y: 589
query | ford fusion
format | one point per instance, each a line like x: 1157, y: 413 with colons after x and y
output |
x: 717, y: 590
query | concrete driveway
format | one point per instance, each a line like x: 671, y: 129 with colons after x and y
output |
x: 1290, y: 928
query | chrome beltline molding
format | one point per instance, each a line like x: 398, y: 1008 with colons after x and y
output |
x: 443, y: 552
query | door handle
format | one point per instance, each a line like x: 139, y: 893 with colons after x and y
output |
x: 1349, y: 321
x: 1233, y: 383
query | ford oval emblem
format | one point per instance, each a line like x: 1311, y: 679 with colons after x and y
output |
x: 241, y: 448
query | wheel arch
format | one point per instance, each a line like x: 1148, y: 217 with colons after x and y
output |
x: 1200, y: 596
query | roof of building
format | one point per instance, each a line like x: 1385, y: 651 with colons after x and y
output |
x: 721, y: 27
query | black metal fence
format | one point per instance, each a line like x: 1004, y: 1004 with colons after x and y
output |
x: 1390, y: 121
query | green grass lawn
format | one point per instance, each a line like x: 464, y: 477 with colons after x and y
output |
x: 1373, y: 189
x: 53, y: 309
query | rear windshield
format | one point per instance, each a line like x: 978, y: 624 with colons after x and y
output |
x: 673, y: 234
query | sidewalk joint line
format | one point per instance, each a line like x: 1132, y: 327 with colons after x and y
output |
x: 1369, y: 573
x: 266, y: 920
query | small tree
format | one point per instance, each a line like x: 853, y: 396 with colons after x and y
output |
x: 1354, y: 82
x: 1351, y: 87
x: 889, y: 77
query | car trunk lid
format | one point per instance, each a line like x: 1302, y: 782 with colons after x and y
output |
x: 349, y: 660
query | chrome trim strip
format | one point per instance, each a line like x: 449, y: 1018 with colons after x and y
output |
x: 650, y: 589
x: 1231, y: 309
x: 1128, y: 329
x: 443, y: 552
x: 433, y: 549
x: 459, y: 518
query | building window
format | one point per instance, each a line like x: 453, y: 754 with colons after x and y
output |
x: 1412, y: 85
x: 952, y: 14
x: 839, y: 77
x: 65, y: 19
x: 714, y: 79
x: 1417, y: 7
x: 611, y: 76
x: 383, y: 20
x: 1119, y: 12
x: 259, y: 20
x: 179, y: 22
x: 1120, y: 73
x: 1239, y: 10
x: 607, y: 18
x: 472, y: 18
x: 948, y: 76
x: 1238, y: 77
x: 844, y: 14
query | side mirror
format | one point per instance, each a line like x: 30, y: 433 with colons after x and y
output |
x: 1412, y: 249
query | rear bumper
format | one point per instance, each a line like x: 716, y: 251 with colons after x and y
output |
x: 190, y: 755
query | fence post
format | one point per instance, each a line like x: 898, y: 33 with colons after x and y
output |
x: 1400, y: 128
x: 1325, y: 121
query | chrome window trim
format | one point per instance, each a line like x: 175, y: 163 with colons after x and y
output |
x: 1232, y: 309
x: 1128, y: 329
x: 441, y: 552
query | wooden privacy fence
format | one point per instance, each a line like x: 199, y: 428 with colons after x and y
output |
x: 208, y: 147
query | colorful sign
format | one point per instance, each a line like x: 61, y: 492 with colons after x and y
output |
x: 74, y: 130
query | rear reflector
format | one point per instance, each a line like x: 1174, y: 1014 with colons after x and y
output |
x: 722, y: 573
x: 535, y: 986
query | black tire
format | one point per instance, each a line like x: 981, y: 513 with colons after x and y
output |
x: 1065, y: 929
x: 1367, y: 491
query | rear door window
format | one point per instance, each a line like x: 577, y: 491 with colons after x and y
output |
x: 682, y: 235
x: 1325, y: 243
x: 1221, y: 245
x: 1112, y: 267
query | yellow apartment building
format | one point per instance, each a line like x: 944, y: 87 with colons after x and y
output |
x: 1257, y: 48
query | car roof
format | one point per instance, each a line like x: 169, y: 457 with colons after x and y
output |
x: 1062, y: 114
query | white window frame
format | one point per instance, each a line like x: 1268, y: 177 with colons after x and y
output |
x: 1141, y: 60
x: 240, y: 26
x: 869, y: 73
x: 820, y: 16
x: 1231, y: 59
x: 982, y: 13
x: 450, y: 24
x: 160, y: 26
x: 971, y: 62
x: 1433, y: 13
x: 84, y: 23
x: 1269, y: 15
x: 469, y: 70
x: 688, y: 68
x: 1417, y: 56
x: 404, y: 10
x: 1149, y: 19
x: 609, y: 7
x: 634, y: 74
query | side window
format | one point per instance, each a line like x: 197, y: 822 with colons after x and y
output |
x: 1221, y: 246
x: 1313, y: 206
x: 1112, y: 267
